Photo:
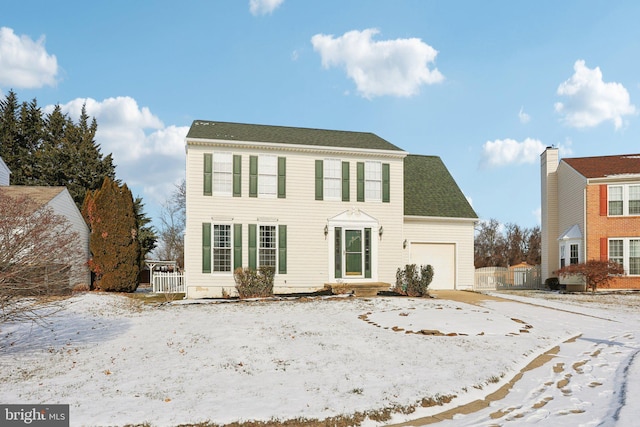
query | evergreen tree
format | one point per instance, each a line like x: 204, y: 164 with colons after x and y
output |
x: 113, y: 241
x: 146, y: 233
x: 9, y: 134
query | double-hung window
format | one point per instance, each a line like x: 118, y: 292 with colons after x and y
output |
x: 573, y: 253
x: 624, y: 199
x: 626, y: 252
x: 222, y: 173
x: 373, y: 181
x: 267, y: 246
x: 267, y: 176
x: 221, y: 247
x: 332, y: 179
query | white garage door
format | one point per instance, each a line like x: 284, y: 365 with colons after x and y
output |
x: 442, y: 257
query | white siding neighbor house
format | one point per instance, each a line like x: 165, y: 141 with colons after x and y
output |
x: 61, y: 203
x: 5, y: 173
x: 322, y: 207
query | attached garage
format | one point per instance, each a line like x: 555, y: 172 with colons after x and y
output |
x: 442, y: 257
x: 438, y: 223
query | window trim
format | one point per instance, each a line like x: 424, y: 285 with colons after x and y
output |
x: 336, y: 180
x: 369, y: 181
x: 227, y: 174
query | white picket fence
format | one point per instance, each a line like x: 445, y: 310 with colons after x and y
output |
x: 496, y: 278
x: 168, y: 283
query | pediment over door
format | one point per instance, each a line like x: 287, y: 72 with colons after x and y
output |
x: 353, y: 216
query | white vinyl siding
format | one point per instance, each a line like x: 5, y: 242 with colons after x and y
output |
x: 310, y: 252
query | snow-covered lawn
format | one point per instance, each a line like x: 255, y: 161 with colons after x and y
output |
x: 118, y: 362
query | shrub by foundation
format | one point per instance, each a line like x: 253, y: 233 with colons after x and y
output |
x: 413, y: 281
x: 254, y: 284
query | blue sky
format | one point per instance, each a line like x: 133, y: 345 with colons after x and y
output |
x: 484, y: 85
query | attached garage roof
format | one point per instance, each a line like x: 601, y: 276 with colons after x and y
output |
x: 430, y: 190
x: 209, y: 130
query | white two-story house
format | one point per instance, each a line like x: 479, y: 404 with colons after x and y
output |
x: 322, y: 207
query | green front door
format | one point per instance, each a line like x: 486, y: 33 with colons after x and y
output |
x: 353, y: 252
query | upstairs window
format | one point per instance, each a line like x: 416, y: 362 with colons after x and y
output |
x: 624, y: 199
x: 615, y: 200
x: 267, y: 176
x: 222, y: 173
x: 332, y: 179
x: 373, y: 181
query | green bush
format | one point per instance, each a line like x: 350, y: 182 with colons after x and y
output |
x: 254, y: 284
x: 414, y: 281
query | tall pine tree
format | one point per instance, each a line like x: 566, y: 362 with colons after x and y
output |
x: 114, y: 245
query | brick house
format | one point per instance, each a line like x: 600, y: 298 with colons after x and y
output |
x: 591, y: 210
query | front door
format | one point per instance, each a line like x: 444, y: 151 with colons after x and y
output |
x: 353, y: 252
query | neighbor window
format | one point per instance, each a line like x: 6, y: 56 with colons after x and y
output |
x: 624, y: 199
x: 634, y: 200
x: 634, y: 256
x: 221, y: 248
x: 616, y: 250
x: 562, y: 260
x: 573, y: 254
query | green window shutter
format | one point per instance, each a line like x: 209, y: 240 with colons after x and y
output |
x: 282, y: 177
x: 319, y: 179
x: 253, y: 176
x: 237, y: 175
x: 367, y: 253
x: 360, y: 178
x: 338, y: 252
x: 206, y: 247
x: 386, y: 188
x: 346, y: 195
x: 208, y: 174
x: 237, y: 246
x: 253, y: 252
x: 282, y: 249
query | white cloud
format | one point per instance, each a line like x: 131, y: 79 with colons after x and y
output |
x: 591, y: 101
x: 524, y: 117
x: 390, y: 67
x: 503, y: 152
x: 537, y: 213
x: 25, y: 63
x: 150, y: 156
x: 263, y: 7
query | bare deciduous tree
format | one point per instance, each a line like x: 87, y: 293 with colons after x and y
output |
x: 38, y: 251
x: 172, y: 218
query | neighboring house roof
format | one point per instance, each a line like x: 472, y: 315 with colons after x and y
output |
x: 430, y: 190
x: 605, y: 166
x: 202, y: 129
x: 40, y: 195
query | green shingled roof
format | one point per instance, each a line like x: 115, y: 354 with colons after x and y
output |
x: 430, y: 190
x: 203, y: 129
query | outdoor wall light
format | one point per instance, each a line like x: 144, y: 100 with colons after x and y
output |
x: 380, y: 231
x: 326, y: 230
x: 404, y: 244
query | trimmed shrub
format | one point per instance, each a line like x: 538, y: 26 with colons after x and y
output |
x: 254, y: 284
x: 413, y: 281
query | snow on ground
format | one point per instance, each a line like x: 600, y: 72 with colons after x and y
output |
x: 118, y: 362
